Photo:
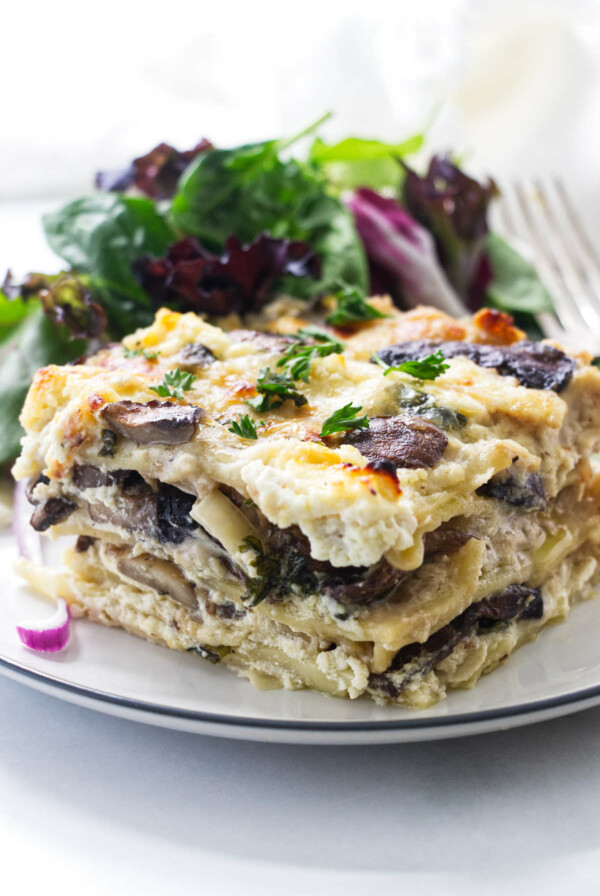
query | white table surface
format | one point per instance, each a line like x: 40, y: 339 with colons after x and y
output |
x: 97, y: 805
x: 91, y: 804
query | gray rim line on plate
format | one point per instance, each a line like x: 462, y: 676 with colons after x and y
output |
x: 232, y: 721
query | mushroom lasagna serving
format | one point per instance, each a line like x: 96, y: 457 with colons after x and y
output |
x: 388, y: 510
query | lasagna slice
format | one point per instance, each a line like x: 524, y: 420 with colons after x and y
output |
x: 390, y: 510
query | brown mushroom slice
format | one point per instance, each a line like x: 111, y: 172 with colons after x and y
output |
x: 162, y: 575
x: 153, y: 423
x: 408, y: 442
x: 52, y: 511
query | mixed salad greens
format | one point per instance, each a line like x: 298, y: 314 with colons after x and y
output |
x: 225, y: 231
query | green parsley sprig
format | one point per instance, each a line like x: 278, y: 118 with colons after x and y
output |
x: 343, y: 419
x: 428, y: 368
x: 175, y: 383
x: 273, y: 389
x: 140, y: 352
x: 244, y: 427
x: 299, y: 356
x: 352, y: 309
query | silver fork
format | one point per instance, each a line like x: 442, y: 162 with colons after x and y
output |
x: 538, y: 215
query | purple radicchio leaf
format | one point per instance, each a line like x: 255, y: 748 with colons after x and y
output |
x: 402, y: 253
x: 156, y: 174
x: 241, y: 280
x: 454, y: 208
x: 66, y: 301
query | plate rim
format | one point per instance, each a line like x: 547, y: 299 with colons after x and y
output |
x: 463, y: 720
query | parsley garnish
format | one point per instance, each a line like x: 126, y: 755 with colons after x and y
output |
x: 143, y: 352
x: 344, y: 419
x: 352, y: 309
x: 175, y: 383
x: 274, y: 389
x: 109, y: 443
x: 428, y: 368
x: 299, y: 356
x: 244, y: 427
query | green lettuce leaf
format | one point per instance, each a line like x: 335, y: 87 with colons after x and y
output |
x: 28, y: 340
x: 250, y: 190
x: 102, y: 236
x: 356, y: 162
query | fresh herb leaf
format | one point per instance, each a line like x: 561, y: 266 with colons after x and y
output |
x: 515, y: 286
x: 343, y: 419
x: 244, y: 427
x: 140, y: 353
x: 277, y: 574
x: 352, y: 309
x: 299, y: 356
x: 428, y: 368
x: 175, y: 383
x: 102, y: 236
x: 109, y: 443
x: 274, y: 389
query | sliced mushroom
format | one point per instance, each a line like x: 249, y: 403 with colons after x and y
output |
x: 194, y: 355
x: 52, y: 511
x: 413, y: 660
x: 153, y: 423
x: 32, y: 486
x: 408, y: 442
x: 268, y: 342
x: 162, y: 575
x: 535, y: 365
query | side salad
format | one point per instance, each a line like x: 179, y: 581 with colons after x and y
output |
x: 226, y: 231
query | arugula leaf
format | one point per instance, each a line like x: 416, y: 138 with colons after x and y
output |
x: 26, y: 344
x: 103, y: 235
x: 343, y: 419
x: 244, y: 427
x: 249, y: 190
x: 352, y: 309
x: 299, y: 356
x: 175, y: 383
x: 274, y: 389
x: 428, y: 368
x: 356, y: 162
x: 516, y: 286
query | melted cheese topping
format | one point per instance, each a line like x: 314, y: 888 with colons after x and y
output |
x: 351, y: 515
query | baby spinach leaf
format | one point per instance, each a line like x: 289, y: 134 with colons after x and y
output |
x: 516, y: 286
x: 32, y: 343
x: 103, y: 235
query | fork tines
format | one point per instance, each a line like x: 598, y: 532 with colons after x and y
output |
x: 540, y: 213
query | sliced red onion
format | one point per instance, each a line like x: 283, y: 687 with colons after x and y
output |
x: 49, y: 635
x: 28, y: 540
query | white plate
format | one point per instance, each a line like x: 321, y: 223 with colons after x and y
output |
x: 111, y: 671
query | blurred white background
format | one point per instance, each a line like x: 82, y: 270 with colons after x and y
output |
x: 83, y: 86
